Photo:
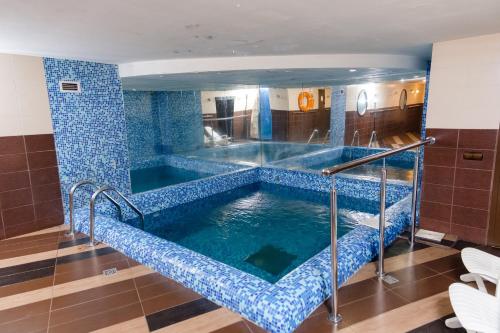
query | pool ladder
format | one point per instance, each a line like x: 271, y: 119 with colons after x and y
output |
x: 334, y: 315
x: 313, y: 134
x: 102, y: 189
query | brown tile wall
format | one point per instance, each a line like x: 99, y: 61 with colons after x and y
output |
x: 30, y: 196
x: 298, y: 125
x: 389, y: 122
x: 456, y: 192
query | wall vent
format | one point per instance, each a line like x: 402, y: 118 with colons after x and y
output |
x: 69, y: 86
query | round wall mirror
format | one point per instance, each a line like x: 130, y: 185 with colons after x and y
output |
x: 362, y: 103
x: 403, y: 98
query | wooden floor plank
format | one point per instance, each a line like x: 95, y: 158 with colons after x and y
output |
x: 137, y: 325
x: 205, y: 323
x: 407, y: 317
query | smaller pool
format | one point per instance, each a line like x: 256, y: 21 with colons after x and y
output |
x: 398, y: 171
x: 151, y: 178
x: 262, y: 229
x: 399, y: 167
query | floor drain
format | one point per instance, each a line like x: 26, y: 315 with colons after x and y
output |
x: 271, y: 259
x: 110, y: 271
x: 390, y: 279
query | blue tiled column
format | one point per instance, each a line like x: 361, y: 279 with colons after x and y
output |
x: 337, y: 116
x: 142, y: 125
x: 89, y: 126
x: 181, y: 121
x: 266, y: 118
x: 422, y: 135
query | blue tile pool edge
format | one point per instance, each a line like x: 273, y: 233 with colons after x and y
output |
x: 277, y: 308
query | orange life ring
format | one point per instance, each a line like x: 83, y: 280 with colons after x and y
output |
x: 306, y: 101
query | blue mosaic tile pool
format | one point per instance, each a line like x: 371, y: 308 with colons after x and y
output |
x: 256, y: 228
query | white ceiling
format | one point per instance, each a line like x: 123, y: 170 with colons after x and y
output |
x: 135, y: 33
x: 122, y: 31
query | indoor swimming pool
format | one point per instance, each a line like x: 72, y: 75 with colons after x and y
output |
x: 262, y: 229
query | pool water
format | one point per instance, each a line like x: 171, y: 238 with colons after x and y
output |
x: 151, y: 178
x: 265, y: 230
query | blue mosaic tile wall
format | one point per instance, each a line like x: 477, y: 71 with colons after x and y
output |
x: 423, y: 135
x: 181, y: 121
x: 266, y: 120
x: 89, y: 126
x: 143, y: 130
x: 337, y: 116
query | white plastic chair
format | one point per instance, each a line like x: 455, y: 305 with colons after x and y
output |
x: 477, y: 311
x: 481, y: 266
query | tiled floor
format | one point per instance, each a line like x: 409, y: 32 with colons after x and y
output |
x: 49, y: 283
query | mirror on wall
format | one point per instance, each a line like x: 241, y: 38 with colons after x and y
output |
x: 362, y: 103
x: 403, y: 99
x: 392, y: 116
x: 178, y: 135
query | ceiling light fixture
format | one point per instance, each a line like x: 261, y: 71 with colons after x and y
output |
x: 352, y: 70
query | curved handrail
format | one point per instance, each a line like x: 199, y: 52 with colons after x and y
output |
x: 72, y: 191
x: 354, y: 137
x: 102, y: 190
x: 327, y: 136
x: 314, y: 132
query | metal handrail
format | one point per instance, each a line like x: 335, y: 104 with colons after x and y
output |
x: 102, y: 190
x: 334, y: 315
x: 72, y: 191
x: 227, y: 118
x: 373, y: 139
x: 354, y: 136
x: 314, y: 132
x: 327, y: 136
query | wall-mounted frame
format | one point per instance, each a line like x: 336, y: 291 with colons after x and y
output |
x: 403, y: 100
x: 362, y: 103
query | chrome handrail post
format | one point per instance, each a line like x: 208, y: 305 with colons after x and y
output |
x: 314, y: 132
x: 92, y: 241
x: 71, y: 231
x: 334, y: 315
x: 383, y: 184
x: 355, y: 136
x: 414, y: 198
x: 327, y: 136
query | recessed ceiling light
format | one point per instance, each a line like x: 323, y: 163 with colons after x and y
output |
x: 353, y: 70
x: 402, y: 80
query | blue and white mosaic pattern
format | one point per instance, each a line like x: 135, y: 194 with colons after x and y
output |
x: 337, y: 116
x: 143, y: 130
x: 89, y: 126
x: 181, y: 121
